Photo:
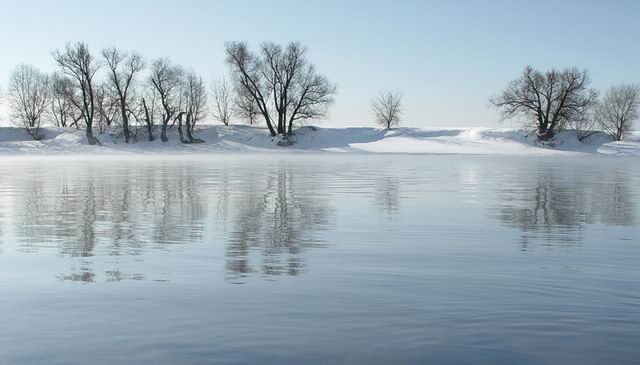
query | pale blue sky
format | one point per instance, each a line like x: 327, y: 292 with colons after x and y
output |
x: 447, y: 57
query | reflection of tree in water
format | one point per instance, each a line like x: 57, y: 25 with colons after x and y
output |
x: 100, y: 215
x: 113, y: 210
x: 387, y: 195
x: 276, y: 219
x: 557, y: 204
x: 616, y: 204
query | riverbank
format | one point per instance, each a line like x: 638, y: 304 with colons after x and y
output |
x: 246, y: 139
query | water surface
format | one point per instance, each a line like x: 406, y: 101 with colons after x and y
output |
x: 319, y: 259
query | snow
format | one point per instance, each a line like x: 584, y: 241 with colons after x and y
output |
x: 246, y: 139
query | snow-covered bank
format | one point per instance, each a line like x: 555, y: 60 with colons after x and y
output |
x: 245, y: 139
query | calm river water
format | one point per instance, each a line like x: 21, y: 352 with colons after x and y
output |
x: 326, y: 259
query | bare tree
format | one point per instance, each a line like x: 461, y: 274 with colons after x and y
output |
x: 550, y: 100
x: 166, y: 79
x: 245, y: 107
x: 196, y: 103
x: 387, y: 108
x: 618, y: 109
x: 281, y: 81
x: 61, y: 108
x: 123, y: 69
x: 147, y: 111
x: 28, y: 97
x: 585, y: 127
x: 222, y: 101
x: 77, y: 63
x: 106, y: 104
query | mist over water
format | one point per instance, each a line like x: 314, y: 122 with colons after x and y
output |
x: 312, y: 258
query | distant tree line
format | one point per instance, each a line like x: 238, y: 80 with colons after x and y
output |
x: 121, y: 93
x: 561, y: 98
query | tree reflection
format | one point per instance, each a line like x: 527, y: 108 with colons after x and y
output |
x: 556, y: 204
x: 276, y: 220
x: 387, y: 195
x: 109, y: 212
x: 100, y: 217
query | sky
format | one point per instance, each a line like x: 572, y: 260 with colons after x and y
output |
x: 446, y: 57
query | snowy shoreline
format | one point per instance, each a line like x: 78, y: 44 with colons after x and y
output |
x: 245, y: 139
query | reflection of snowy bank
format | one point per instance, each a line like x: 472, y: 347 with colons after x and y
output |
x: 239, y: 139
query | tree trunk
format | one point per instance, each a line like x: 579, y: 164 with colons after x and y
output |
x: 91, y: 139
x: 180, y: 133
x: 149, y: 132
x: 125, y: 127
x: 189, y: 129
x: 182, y: 139
x: 147, y: 120
x: 290, y: 131
x: 163, y: 133
x: 545, y: 135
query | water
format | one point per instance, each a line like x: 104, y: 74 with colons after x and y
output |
x: 320, y: 259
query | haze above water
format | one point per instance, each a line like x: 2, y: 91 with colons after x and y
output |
x: 320, y: 259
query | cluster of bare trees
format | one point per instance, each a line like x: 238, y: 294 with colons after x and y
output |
x: 561, y: 98
x: 276, y: 84
x: 109, y: 92
x: 119, y: 93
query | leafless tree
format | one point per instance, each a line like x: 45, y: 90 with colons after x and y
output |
x: 551, y: 99
x: 28, y: 97
x: 123, y: 69
x: 61, y: 107
x: 77, y: 63
x: 222, y: 101
x: 585, y: 127
x: 283, y: 84
x: 618, y: 109
x: 387, y: 108
x: 181, y: 108
x: 147, y: 110
x: 245, y: 107
x: 166, y: 78
x: 195, y: 102
x: 106, y: 105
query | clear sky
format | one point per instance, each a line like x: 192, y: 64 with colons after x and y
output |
x: 446, y: 57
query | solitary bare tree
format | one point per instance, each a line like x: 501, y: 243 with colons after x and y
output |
x: 222, y: 101
x: 166, y: 78
x: 551, y: 100
x: 123, y: 69
x: 62, y: 109
x: 618, y: 109
x: 283, y: 84
x: 77, y: 63
x: 387, y: 108
x: 28, y: 97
